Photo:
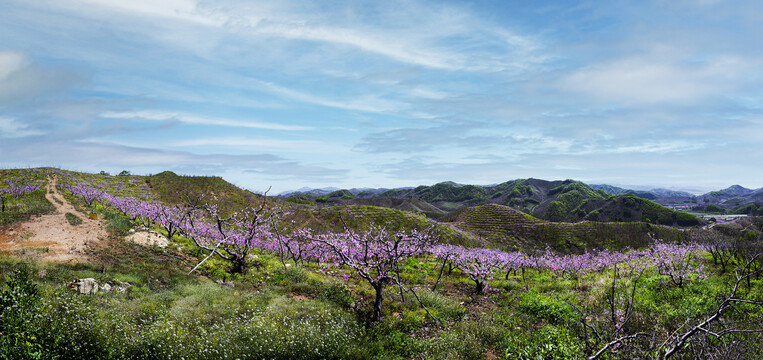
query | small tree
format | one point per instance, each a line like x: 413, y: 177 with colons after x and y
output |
x: 16, y: 191
x: 231, y: 237
x: 172, y: 218
x: 3, y: 194
x: 89, y: 194
x: 677, y: 262
x: 375, y: 256
x: 479, y: 264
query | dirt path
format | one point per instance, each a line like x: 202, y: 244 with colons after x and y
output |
x: 51, y: 237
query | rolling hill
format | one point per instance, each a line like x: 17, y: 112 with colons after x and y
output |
x: 568, y: 200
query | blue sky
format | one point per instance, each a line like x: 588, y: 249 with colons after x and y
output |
x: 387, y: 93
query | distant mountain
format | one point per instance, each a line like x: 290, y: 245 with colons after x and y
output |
x: 667, y: 193
x: 730, y: 192
x: 308, y: 191
x: 733, y: 197
x: 658, y: 194
x: 614, y: 190
x: 558, y: 200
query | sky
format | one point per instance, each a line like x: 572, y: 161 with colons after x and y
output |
x: 289, y: 94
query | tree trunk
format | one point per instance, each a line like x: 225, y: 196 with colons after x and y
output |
x: 379, y: 287
x: 239, y: 266
x: 480, y: 287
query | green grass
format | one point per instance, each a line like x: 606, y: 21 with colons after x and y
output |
x: 309, y: 312
x: 300, y: 312
x: 73, y: 219
x: 29, y: 205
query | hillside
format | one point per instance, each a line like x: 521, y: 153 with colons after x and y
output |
x: 614, y: 190
x: 567, y: 200
x: 94, y: 291
x: 508, y: 228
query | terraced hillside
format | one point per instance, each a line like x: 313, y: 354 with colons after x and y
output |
x: 496, y: 224
x: 361, y: 218
x: 508, y: 228
x: 167, y: 186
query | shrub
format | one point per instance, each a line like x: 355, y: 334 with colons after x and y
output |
x: 118, y: 224
x: 18, y: 305
x: 554, y: 311
x: 551, y: 342
x: 73, y: 219
x: 469, y: 339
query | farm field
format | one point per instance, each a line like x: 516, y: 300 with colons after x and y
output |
x: 172, y: 274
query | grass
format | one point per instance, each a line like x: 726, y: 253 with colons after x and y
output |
x: 282, y: 312
x: 73, y: 219
x: 309, y: 312
x: 33, y: 204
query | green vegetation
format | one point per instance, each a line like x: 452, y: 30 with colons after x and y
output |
x: 73, y: 219
x: 508, y: 228
x: 363, y: 218
x: 306, y: 313
x: 752, y: 209
x: 156, y: 310
x: 341, y: 194
x: 29, y: 205
x: 712, y: 208
x: 226, y: 196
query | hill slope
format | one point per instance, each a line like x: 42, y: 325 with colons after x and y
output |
x: 566, y: 200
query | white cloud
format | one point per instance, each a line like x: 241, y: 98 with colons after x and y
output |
x: 296, y: 146
x: 654, y: 79
x: 657, y: 147
x: 21, y: 78
x: 176, y: 9
x: 367, y: 103
x: 11, y: 128
x: 200, y: 120
x: 11, y: 62
x: 412, y: 39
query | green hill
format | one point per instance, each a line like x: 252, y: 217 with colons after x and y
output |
x: 361, y: 218
x: 508, y: 228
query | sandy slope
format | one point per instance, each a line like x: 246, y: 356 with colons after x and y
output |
x: 51, y: 237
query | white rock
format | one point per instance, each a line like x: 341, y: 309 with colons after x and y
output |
x: 85, y: 286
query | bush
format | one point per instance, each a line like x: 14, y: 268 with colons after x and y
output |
x: 467, y: 340
x: 551, y: 342
x: 554, y: 311
x: 73, y: 219
x: 442, y: 307
x: 18, y: 305
x: 118, y: 224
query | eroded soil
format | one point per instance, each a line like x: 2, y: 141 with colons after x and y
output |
x: 51, y: 237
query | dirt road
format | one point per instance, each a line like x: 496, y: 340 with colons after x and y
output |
x: 51, y: 237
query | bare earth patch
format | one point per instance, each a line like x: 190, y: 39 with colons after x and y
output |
x: 51, y: 237
x: 148, y: 238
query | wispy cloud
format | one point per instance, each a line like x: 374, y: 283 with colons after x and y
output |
x: 645, y: 79
x: 21, y: 78
x: 421, y: 41
x: 199, y: 120
x: 304, y: 146
x: 369, y: 103
x: 396, y: 91
x: 11, y: 128
x: 92, y: 155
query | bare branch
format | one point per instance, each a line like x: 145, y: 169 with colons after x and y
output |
x: 615, y: 342
x: 730, y: 301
